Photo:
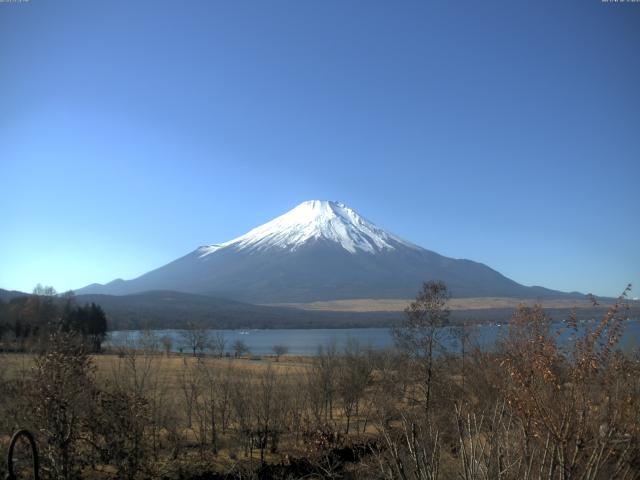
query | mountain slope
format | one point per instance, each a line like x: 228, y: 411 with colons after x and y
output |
x: 319, y: 251
x: 166, y: 309
x: 313, y: 220
x: 7, y: 295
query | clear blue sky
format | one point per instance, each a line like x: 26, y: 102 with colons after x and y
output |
x: 506, y: 132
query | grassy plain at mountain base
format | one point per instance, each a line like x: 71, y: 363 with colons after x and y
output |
x: 473, y: 303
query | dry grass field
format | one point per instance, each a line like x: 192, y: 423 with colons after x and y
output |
x: 179, y: 391
x: 110, y: 364
x: 399, y: 304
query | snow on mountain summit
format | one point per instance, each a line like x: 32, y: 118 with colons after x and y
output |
x: 318, y: 251
x: 315, y: 220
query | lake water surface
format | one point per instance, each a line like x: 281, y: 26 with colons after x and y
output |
x: 307, y: 341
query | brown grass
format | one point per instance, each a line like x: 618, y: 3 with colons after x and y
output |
x: 19, y: 364
x: 399, y: 304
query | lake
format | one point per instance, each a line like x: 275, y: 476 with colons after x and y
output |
x: 307, y: 341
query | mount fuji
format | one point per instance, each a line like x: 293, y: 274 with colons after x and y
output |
x: 319, y: 250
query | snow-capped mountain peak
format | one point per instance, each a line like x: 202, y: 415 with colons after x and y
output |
x: 315, y: 220
x: 318, y: 251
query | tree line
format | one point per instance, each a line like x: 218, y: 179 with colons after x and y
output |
x: 27, y: 321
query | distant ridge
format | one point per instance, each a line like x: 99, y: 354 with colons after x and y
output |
x: 167, y: 309
x: 6, y: 295
x: 320, y: 250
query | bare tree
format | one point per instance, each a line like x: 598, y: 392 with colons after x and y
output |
x: 225, y: 384
x: 218, y: 344
x: 419, y: 334
x: 148, y: 342
x: 267, y: 406
x: 189, y: 383
x: 325, y: 375
x: 134, y: 368
x: 167, y: 343
x: 412, y: 451
x: 240, y: 348
x: 354, y: 376
x: 196, y: 338
x: 242, y: 403
x: 212, y: 392
x: 280, y: 350
x: 46, y: 291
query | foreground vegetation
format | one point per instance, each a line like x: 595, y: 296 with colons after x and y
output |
x: 532, y: 408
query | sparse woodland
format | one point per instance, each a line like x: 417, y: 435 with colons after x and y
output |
x: 533, y: 407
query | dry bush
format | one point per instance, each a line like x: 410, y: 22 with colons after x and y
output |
x: 61, y: 391
x: 574, y: 406
x: 411, y: 451
x: 550, y: 403
x: 117, y: 432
